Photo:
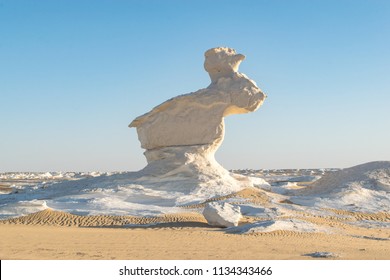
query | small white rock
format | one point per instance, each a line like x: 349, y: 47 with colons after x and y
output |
x: 322, y: 255
x: 222, y: 214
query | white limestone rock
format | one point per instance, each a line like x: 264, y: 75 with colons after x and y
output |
x: 222, y: 214
x: 182, y: 134
x: 197, y: 118
x: 277, y: 225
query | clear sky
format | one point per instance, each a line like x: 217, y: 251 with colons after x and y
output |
x: 74, y: 74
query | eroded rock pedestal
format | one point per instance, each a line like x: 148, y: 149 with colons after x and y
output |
x: 182, y: 134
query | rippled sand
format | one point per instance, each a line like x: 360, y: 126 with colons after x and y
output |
x: 57, y: 235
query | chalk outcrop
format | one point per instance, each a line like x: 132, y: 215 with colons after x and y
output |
x: 222, y: 214
x: 182, y: 134
x: 278, y: 225
x: 361, y: 188
x: 372, y: 175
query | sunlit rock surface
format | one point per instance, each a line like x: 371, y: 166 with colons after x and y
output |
x: 182, y: 134
x: 222, y: 214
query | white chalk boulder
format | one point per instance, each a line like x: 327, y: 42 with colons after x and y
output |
x: 222, y: 214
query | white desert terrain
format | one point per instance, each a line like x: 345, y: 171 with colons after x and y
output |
x: 185, y: 205
x: 298, y: 214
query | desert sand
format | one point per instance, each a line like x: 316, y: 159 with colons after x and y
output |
x: 53, y: 234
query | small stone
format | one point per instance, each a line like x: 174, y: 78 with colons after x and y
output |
x: 322, y: 255
x: 222, y: 214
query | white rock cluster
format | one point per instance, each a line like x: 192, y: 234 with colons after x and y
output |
x: 222, y: 214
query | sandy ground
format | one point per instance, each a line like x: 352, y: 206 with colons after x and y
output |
x: 53, y: 242
x: 57, y: 235
x: 183, y: 240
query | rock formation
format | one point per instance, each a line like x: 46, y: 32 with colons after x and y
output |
x: 373, y: 175
x: 182, y: 134
x: 222, y: 214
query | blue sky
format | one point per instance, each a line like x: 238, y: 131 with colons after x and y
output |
x: 74, y: 74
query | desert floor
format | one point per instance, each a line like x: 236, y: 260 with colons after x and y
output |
x: 57, y: 235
